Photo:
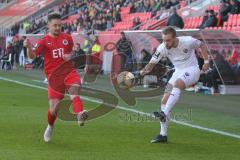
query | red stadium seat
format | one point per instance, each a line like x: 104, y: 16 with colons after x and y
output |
x: 107, y: 32
x: 24, y: 7
x: 125, y: 10
x: 236, y: 28
x: 123, y: 23
x: 148, y: 24
x: 230, y: 20
x: 225, y: 24
x: 224, y: 28
x: 234, y: 23
x: 142, y: 16
x: 238, y: 20
x: 229, y: 28
x: 214, y: 8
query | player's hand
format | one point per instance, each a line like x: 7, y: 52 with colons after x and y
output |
x: 67, y: 57
x: 205, y: 67
x: 26, y: 43
x: 143, y: 72
x: 136, y: 74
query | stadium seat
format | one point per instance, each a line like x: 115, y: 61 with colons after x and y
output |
x: 19, y: 10
x: 225, y: 24
x: 24, y: 7
x: 238, y: 21
x: 141, y: 16
x: 237, y: 28
x: 125, y: 10
x: 123, y: 23
x: 107, y: 32
x: 224, y: 28
x: 148, y: 24
x: 71, y: 18
x: 229, y: 28
x: 214, y: 8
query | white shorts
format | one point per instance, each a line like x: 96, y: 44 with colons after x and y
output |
x: 188, y: 75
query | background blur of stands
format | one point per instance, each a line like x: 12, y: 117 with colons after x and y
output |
x: 106, y: 21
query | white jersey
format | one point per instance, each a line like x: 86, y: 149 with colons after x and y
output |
x: 183, y: 56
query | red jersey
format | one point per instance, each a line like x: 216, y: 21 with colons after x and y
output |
x: 53, y: 49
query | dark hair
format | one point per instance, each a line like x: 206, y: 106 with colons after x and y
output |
x: 122, y: 33
x: 54, y: 16
x: 143, y: 50
x: 211, y: 11
x: 169, y: 30
x: 174, y: 9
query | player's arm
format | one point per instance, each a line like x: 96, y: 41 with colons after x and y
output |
x: 199, y: 45
x: 69, y: 55
x: 28, y: 46
x: 148, y: 68
x: 204, y: 53
x: 153, y: 62
x: 36, y: 50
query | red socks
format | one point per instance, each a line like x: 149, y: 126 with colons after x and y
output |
x: 77, y: 105
x: 51, y: 118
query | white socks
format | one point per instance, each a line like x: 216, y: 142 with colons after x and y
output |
x: 172, y: 100
x: 164, y: 125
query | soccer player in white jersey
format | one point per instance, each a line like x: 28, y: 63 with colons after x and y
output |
x: 181, y: 52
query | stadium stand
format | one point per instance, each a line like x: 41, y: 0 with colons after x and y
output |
x: 24, y: 7
x: 80, y: 16
x: 232, y: 23
x: 20, y: 10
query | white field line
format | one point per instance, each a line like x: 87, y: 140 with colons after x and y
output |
x: 136, y: 111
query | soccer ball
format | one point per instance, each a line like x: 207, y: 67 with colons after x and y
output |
x: 125, y: 80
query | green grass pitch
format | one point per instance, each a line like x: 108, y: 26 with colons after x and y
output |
x: 23, y: 120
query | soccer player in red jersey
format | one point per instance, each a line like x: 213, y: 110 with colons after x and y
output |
x: 56, y: 48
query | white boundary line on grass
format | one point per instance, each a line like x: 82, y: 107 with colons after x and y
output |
x: 135, y: 111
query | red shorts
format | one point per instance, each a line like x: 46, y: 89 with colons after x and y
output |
x: 58, y: 90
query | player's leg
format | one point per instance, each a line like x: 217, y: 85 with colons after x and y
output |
x: 162, y: 137
x: 54, y: 99
x: 165, y: 117
x: 82, y: 115
x: 52, y: 112
x: 186, y: 78
x: 164, y: 125
x: 73, y: 83
x: 74, y: 91
x: 167, y: 94
x: 180, y: 81
x: 52, y: 115
x: 174, y: 96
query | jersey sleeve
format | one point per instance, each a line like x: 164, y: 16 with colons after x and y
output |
x: 194, y: 43
x: 157, y: 56
x: 38, y: 49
